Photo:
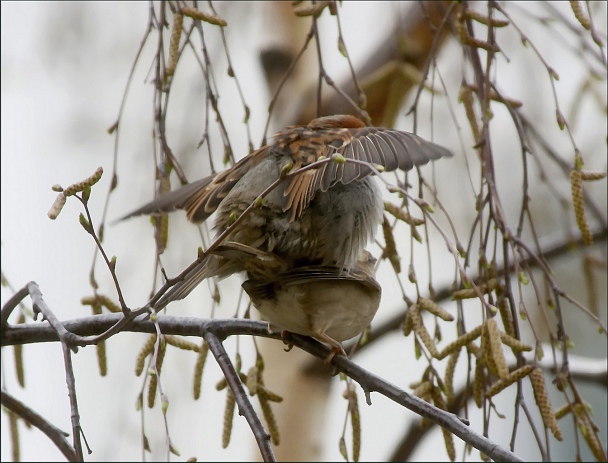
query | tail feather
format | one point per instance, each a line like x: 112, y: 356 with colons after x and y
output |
x: 173, y: 200
x: 211, y: 266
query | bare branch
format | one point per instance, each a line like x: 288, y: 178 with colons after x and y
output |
x: 56, y: 435
x: 189, y: 326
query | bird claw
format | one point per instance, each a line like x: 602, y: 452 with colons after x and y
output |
x: 329, y: 358
x: 284, y: 338
x: 335, y: 350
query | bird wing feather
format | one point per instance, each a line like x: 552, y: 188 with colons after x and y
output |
x: 392, y: 149
x: 178, y: 199
x: 325, y: 136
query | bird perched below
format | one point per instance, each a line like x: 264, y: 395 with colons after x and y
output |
x: 327, y: 303
x: 330, y: 304
x: 322, y: 216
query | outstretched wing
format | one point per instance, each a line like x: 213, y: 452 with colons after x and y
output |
x: 345, y: 135
x: 392, y: 149
x: 303, y: 145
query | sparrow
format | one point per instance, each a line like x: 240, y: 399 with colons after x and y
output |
x: 326, y: 303
x: 322, y: 216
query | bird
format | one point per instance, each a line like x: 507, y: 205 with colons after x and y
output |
x: 317, y: 215
x: 324, y: 302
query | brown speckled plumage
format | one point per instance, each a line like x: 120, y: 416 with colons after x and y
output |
x: 322, y: 216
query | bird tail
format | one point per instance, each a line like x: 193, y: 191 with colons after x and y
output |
x: 178, y: 199
x: 211, y: 266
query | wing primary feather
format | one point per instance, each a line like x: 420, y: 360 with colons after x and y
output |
x: 408, y: 155
x: 364, y: 153
x: 352, y: 171
x: 380, y: 158
x: 420, y: 150
x: 387, y: 150
x: 371, y: 152
x: 329, y: 176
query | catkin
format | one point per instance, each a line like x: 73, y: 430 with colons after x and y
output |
x: 252, y: 380
x: 390, y: 248
x: 100, y: 300
x: 505, y: 316
x: 470, y: 293
x: 448, y: 438
x: 466, y: 39
x: 198, y: 369
x: 579, y: 15
x: 562, y: 411
x: 176, y: 33
x: 542, y: 401
x: 576, y: 183
x: 14, y: 433
x: 422, y: 333
x: 86, y: 183
x: 408, y: 325
x: 460, y: 342
x: 314, y: 9
x: 228, y: 416
x: 450, y: 369
x: 102, y: 359
x: 514, y: 343
x: 272, y: 396
x: 432, y: 307
x: 18, y: 352
x: 587, y: 430
x: 271, y: 421
x: 590, y: 175
x: 513, y: 377
x: 402, y: 215
x: 483, y: 19
x: 466, y: 97
x: 153, y: 381
x: 57, y: 206
x: 146, y: 350
x: 201, y: 15
x: 181, y: 343
x: 495, y: 356
x: 423, y: 389
x: 479, y: 382
x: 342, y: 448
x: 355, y: 419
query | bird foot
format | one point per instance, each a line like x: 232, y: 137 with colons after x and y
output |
x: 329, y: 358
x: 285, y: 339
x: 336, y: 348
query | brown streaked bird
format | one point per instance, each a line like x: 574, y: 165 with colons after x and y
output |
x: 323, y: 216
x: 328, y: 303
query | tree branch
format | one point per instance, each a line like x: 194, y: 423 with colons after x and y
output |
x: 245, y: 407
x: 56, y: 435
x: 220, y: 328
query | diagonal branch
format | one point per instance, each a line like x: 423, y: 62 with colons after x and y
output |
x: 245, y: 407
x: 56, y: 435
